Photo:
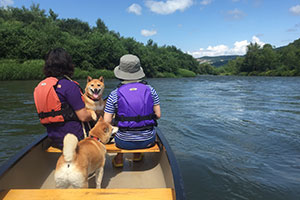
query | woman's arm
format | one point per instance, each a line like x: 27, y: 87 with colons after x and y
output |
x: 156, y: 109
x: 85, y: 115
x: 108, y: 117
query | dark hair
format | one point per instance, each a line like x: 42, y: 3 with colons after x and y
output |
x: 58, y: 63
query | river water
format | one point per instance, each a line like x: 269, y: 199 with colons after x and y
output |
x: 233, y: 137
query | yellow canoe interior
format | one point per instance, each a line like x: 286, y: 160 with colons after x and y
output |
x: 32, y: 177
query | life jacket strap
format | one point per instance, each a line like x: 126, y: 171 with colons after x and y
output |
x: 138, y: 118
x: 53, y: 113
x: 141, y: 81
x: 66, y: 111
x: 143, y: 128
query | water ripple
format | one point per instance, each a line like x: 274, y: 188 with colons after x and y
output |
x: 234, y: 137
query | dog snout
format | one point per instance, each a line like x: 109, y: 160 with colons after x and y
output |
x: 97, y: 91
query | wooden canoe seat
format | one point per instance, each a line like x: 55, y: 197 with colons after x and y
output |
x: 79, y: 194
x: 111, y: 148
x: 53, y: 150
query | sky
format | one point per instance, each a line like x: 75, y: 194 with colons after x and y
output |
x: 198, y: 27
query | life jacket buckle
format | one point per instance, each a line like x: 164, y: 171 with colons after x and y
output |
x: 52, y: 113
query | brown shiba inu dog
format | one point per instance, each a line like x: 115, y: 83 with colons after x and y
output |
x: 79, y: 159
x: 93, y: 95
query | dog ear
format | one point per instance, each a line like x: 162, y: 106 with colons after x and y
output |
x: 101, y: 118
x: 101, y: 79
x: 89, y: 79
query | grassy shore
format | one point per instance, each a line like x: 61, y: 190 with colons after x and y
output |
x: 32, y: 70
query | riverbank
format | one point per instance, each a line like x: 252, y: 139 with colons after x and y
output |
x: 32, y: 70
x: 289, y: 73
x: 11, y: 69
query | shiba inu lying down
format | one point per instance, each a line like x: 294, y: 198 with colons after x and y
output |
x: 93, y: 95
x: 79, y: 159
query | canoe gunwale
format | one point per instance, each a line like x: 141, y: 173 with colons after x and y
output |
x: 177, y: 177
x: 12, y: 161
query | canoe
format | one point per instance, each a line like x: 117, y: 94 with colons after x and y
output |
x: 30, y: 175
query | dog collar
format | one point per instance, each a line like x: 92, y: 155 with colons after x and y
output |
x: 97, y: 139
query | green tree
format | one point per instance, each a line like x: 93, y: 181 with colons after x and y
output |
x: 74, y: 27
x: 252, y: 58
x: 28, y: 34
x: 53, y: 15
x: 101, y: 27
x: 270, y: 58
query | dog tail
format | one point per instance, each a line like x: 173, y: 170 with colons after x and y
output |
x: 70, y: 145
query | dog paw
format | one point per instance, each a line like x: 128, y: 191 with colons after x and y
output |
x: 94, y: 115
x: 114, y: 129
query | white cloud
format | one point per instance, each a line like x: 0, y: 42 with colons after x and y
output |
x: 5, y: 3
x: 240, y: 48
x: 148, y: 33
x: 235, y: 14
x: 169, y: 6
x: 135, y: 8
x: 255, y: 39
x: 295, y: 10
x: 205, y: 2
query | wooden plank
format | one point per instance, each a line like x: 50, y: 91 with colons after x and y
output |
x: 53, y: 150
x: 86, y: 194
x: 111, y: 148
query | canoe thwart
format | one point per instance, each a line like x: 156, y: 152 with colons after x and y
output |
x: 111, y: 148
x: 79, y: 194
x: 53, y: 150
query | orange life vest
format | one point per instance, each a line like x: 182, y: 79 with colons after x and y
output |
x: 48, y: 105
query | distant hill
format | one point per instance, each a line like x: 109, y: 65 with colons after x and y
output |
x: 295, y: 44
x: 216, y: 61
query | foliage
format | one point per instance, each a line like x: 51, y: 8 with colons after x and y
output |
x: 266, y: 61
x: 82, y: 74
x: 206, y: 68
x: 14, y: 70
x: 186, y: 73
x: 28, y: 34
x: 165, y: 75
x: 32, y: 70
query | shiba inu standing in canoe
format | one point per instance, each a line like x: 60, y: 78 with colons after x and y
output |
x: 79, y: 159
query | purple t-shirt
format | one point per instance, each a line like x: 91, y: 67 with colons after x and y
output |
x: 67, y: 91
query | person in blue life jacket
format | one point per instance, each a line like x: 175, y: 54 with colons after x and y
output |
x: 136, y: 107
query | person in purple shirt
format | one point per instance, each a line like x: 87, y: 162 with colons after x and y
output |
x: 58, y: 64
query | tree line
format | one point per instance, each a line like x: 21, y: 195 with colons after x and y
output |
x: 266, y: 61
x: 28, y: 34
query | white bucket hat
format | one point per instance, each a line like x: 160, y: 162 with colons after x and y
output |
x: 129, y: 68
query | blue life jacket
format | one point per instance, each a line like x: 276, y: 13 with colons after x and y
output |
x: 135, y: 107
